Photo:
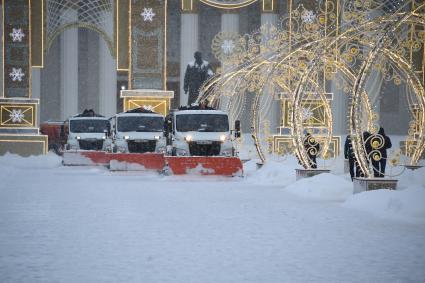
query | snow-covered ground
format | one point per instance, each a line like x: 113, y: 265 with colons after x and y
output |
x: 86, y: 224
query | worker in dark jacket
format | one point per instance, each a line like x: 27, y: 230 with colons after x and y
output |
x: 380, y: 164
x: 312, y: 147
x: 349, y: 154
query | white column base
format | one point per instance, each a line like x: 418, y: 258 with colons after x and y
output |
x: 107, y: 81
x: 188, y: 46
x: 69, y: 73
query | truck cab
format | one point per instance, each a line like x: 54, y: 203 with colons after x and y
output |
x: 199, y: 132
x: 88, y: 131
x: 138, y: 131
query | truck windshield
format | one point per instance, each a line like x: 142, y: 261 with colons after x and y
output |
x: 88, y: 126
x: 202, y: 123
x: 140, y: 124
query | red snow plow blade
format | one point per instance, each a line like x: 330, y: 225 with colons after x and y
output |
x: 136, y: 161
x: 92, y: 158
x: 211, y: 165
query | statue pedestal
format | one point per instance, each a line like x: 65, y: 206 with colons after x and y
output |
x: 153, y: 99
x: 19, y: 132
x: 369, y: 184
x: 307, y: 173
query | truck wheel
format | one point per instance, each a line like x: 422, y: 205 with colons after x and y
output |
x: 174, y: 151
x: 114, y: 149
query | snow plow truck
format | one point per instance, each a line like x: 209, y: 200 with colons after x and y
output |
x: 191, y: 140
x: 200, y: 141
x: 138, y: 140
x: 88, y: 139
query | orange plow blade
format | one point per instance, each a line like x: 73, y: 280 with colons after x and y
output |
x: 211, y: 165
x: 92, y: 158
x: 135, y: 161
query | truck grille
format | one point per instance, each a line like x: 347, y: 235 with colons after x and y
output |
x: 91, y: 144
x: 212, y: 149
x: 141, y: 146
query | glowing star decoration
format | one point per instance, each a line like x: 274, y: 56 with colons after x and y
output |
x: 16, y: 74
x: 227, y: 46
x: 307, y: 114
x: 308, y: 17
x: 147, y: 14
x: 17, y: 35
x: 148, y: 107
x: 17, y: 116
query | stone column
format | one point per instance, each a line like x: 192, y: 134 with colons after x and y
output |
x: 36, y: 88
x: 229, y: 23
x: 339, y: 108
x: 274, y: 115
x: 189, y: 44
x: 19, y: 132
x: 69, y: 71
x: 1, y: 53
x: 107, y: 81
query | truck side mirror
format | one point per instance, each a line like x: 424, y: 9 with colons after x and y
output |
x: 237, y: 129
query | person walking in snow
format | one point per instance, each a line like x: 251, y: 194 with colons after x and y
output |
x: 351, y: 157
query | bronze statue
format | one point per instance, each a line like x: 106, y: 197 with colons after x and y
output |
x: 197, y: 72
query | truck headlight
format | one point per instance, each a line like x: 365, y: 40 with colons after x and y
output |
x: 222, y: 138
x: 78, y: 137
x: 104, y: 138
x: 126, y: 137
x: 188, y: 138
x: 157, y: 137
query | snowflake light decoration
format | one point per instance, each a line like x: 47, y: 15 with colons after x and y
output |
x: 148, y: 107
x: 147, y: 14
x: 16, y: 74
x: 17, y: 115
x: 17, y: 34
x: 308, y: 17
x: 307, y: 114
x: 227, y: 46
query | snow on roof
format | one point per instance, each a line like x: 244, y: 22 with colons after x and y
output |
x: 125, y: 114
x: 181, y: 112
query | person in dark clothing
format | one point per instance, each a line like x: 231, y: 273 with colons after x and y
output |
x: 312, y: 147
x: 197, y: 72
x: 380, y: 164
x: 349, y: 154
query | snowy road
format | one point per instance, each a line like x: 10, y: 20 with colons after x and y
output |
x: 62, y: 224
